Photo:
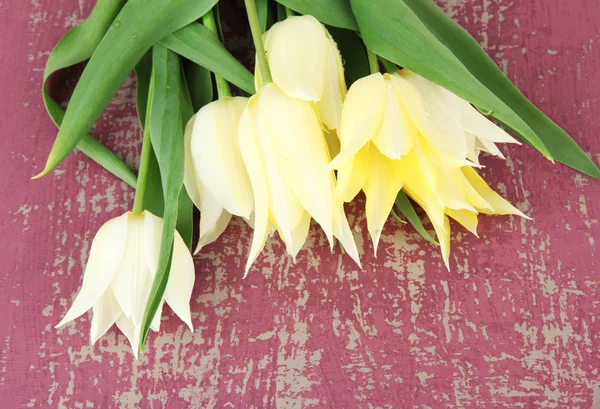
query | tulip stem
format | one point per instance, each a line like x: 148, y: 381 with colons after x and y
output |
x: 222, y: 85
x: 261, y: 55
x: 140, y: 191
x: 373, y: 62
x: 289, y: 12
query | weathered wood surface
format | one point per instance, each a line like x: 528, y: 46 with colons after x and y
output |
x: 513, y: 325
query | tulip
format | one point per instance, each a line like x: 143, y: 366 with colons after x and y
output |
x: 306, y: 64
x: 402, y: 131
x: 215, y: 175
x: 119, y: 276
x: 285, y: 152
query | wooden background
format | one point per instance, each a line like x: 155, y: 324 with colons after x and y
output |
x: 512, y: 325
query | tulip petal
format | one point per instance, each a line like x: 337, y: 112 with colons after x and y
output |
x: 190, y: 179
x: 441, y: 224
x: 257, y: 176
x: 381, y: 190
x: 131, y: 285
x: 297, y: 50
x: 466, y: 218
x: 213, y: 218
x: 352, y: 177
x: 362, y: 115
x: 181, y: 282
x: 497, y: 203
x: 397, y: 133
x: 293, y: 145
x: 108, y: 248
x: 106, y: 311
x: 296, y: 238
x: 217, y: 157
x: 341, y: 230
x: 441, y: 130
x: 132, y: 332
x: 334, y: 93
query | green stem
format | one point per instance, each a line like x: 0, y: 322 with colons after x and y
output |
x: 222, y: 85
x: 140, y: 191
x: 373, y: 63
x: 261, y: 55
x: 389, y: 66
x: 289, y: 12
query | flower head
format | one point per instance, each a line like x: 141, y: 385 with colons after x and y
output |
x: 215, y: 175
x: 403, y: 131
x: 306, y: 64
x: 119, y: 275
x: 285, y: 153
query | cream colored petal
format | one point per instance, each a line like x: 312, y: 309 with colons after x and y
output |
x: 181, y: 282
x: 133, y: 280
x: 441, y: 224
x: 257, y: 176
x: 498, y: 204
x: 333, y: 143
x: 293, y: 146
x: 213, y: 218
x: 181, y: 276
x: 352, y: 177
x: 466, y: 218
x: 214, y: 232
x: 132, y: 333
x: 442, y: 131
x: 341, y: 230
x: 155, y: 324
x: 362, y: 115
x: 330, y: 105
x: 108, y: 248
x: 297, y: 50
x: 217, y: 157
x: 381, y: 190
x: 295, y: 240
x: 397, y: 133
x: 106, y: 311
x: 189, y: 176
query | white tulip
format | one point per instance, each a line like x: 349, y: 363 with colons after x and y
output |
x: 119, y: 275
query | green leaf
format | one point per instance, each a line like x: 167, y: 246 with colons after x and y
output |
x: 332, y: 12
x: 391, y: 29
x: 407, y: 209
x: 138, y: 26
x: 200, y: 85
x: 166, y: 132
x: 154, y: 200
x: 356, y: 63
x: 262, y: 8
x: 474, y: 58
x: 198, y: 44
x: 76, y: 46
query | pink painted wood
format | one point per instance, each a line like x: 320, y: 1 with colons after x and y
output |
x: 513, y: 325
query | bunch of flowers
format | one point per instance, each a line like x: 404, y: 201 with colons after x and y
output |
x: 296, y: 144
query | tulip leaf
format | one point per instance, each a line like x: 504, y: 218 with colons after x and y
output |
x: 200, y: 84
x: 407, y: 209
x: 154, y: 200
x: 165, y: 120
x: 354, y: 54
x: 262, y: 9
x: 138, y: 26
x: 198, y: 44
x: 392, y: 30
x: 76, y: 46
x: 561, y: 146
x: 332, y: 12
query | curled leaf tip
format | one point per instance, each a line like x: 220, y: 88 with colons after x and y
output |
x: 43, y: 173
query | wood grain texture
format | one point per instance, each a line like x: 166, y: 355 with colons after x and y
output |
x: 512, y: 325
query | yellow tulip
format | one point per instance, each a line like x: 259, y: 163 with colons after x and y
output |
x: 402, y: 131
x: 306, y: 64
x: 215, y: 175
x: 285, y: 152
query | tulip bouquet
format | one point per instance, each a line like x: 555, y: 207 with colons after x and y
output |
x: 317, y: 123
